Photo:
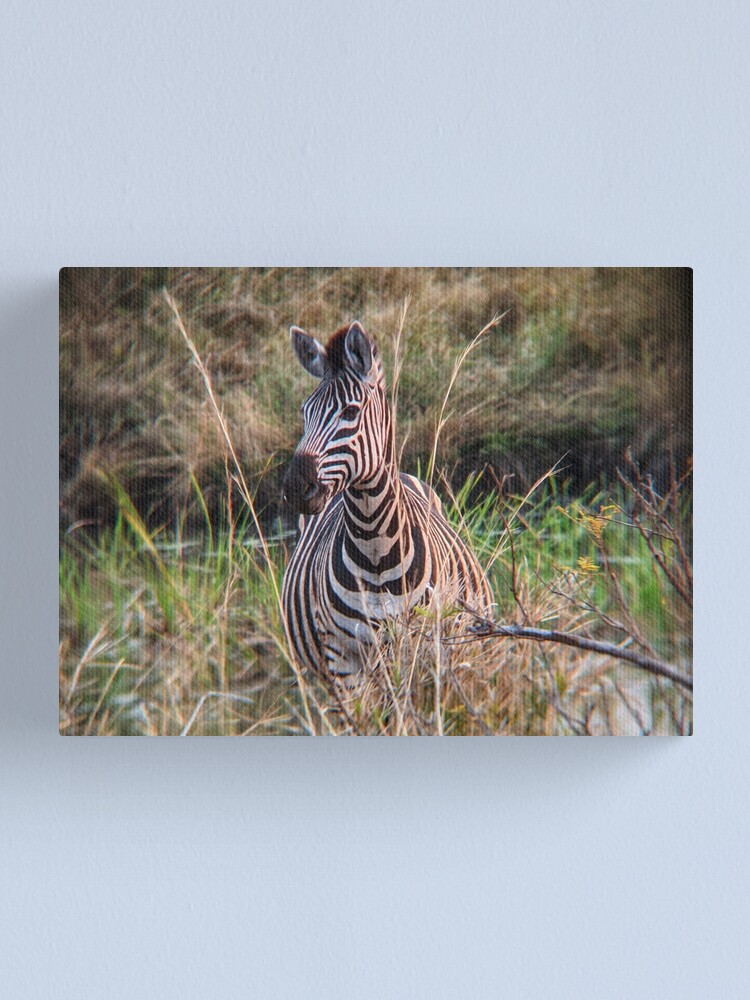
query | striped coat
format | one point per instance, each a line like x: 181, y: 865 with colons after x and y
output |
x: 373, y: 542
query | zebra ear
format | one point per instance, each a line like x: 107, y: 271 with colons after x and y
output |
x: 310, y: 352
x: 359, y: 350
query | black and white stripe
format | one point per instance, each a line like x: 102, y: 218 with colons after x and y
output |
x: 373, y: 542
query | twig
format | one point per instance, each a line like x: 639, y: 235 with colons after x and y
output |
x: 659, y: 668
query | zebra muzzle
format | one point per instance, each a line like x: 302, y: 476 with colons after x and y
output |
x: 302, y: 491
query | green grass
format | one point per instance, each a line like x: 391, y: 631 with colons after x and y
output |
x: 159, y: 621
x: 164, y: 634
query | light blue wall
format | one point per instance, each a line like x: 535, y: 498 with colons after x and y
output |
x: 372, y: 133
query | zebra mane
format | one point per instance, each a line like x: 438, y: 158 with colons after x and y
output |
x: 336, y: 353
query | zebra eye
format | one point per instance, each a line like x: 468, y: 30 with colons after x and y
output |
x: 350, y: 413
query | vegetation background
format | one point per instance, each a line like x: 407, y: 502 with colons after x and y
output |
x: 168, y: 617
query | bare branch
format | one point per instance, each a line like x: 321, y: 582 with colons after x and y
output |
x: 485, y: 627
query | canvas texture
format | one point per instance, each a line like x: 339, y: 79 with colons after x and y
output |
x: 376, y: 501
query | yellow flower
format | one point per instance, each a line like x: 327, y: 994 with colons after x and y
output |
x: 587, y: 565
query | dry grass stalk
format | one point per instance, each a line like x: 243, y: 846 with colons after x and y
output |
x: 239, y: 478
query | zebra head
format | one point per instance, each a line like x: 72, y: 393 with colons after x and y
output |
x: 347, y: 436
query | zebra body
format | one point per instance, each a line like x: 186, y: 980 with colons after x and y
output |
x: 373, y: 542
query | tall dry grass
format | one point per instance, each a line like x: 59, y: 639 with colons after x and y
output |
x: 160, y: 637
x: 586, y: 362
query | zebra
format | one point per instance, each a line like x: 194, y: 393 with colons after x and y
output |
x: 373, y: 542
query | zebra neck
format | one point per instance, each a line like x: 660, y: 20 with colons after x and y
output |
x: 371, y: 510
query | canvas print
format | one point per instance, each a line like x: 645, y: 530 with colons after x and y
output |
x: 375, y: 501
